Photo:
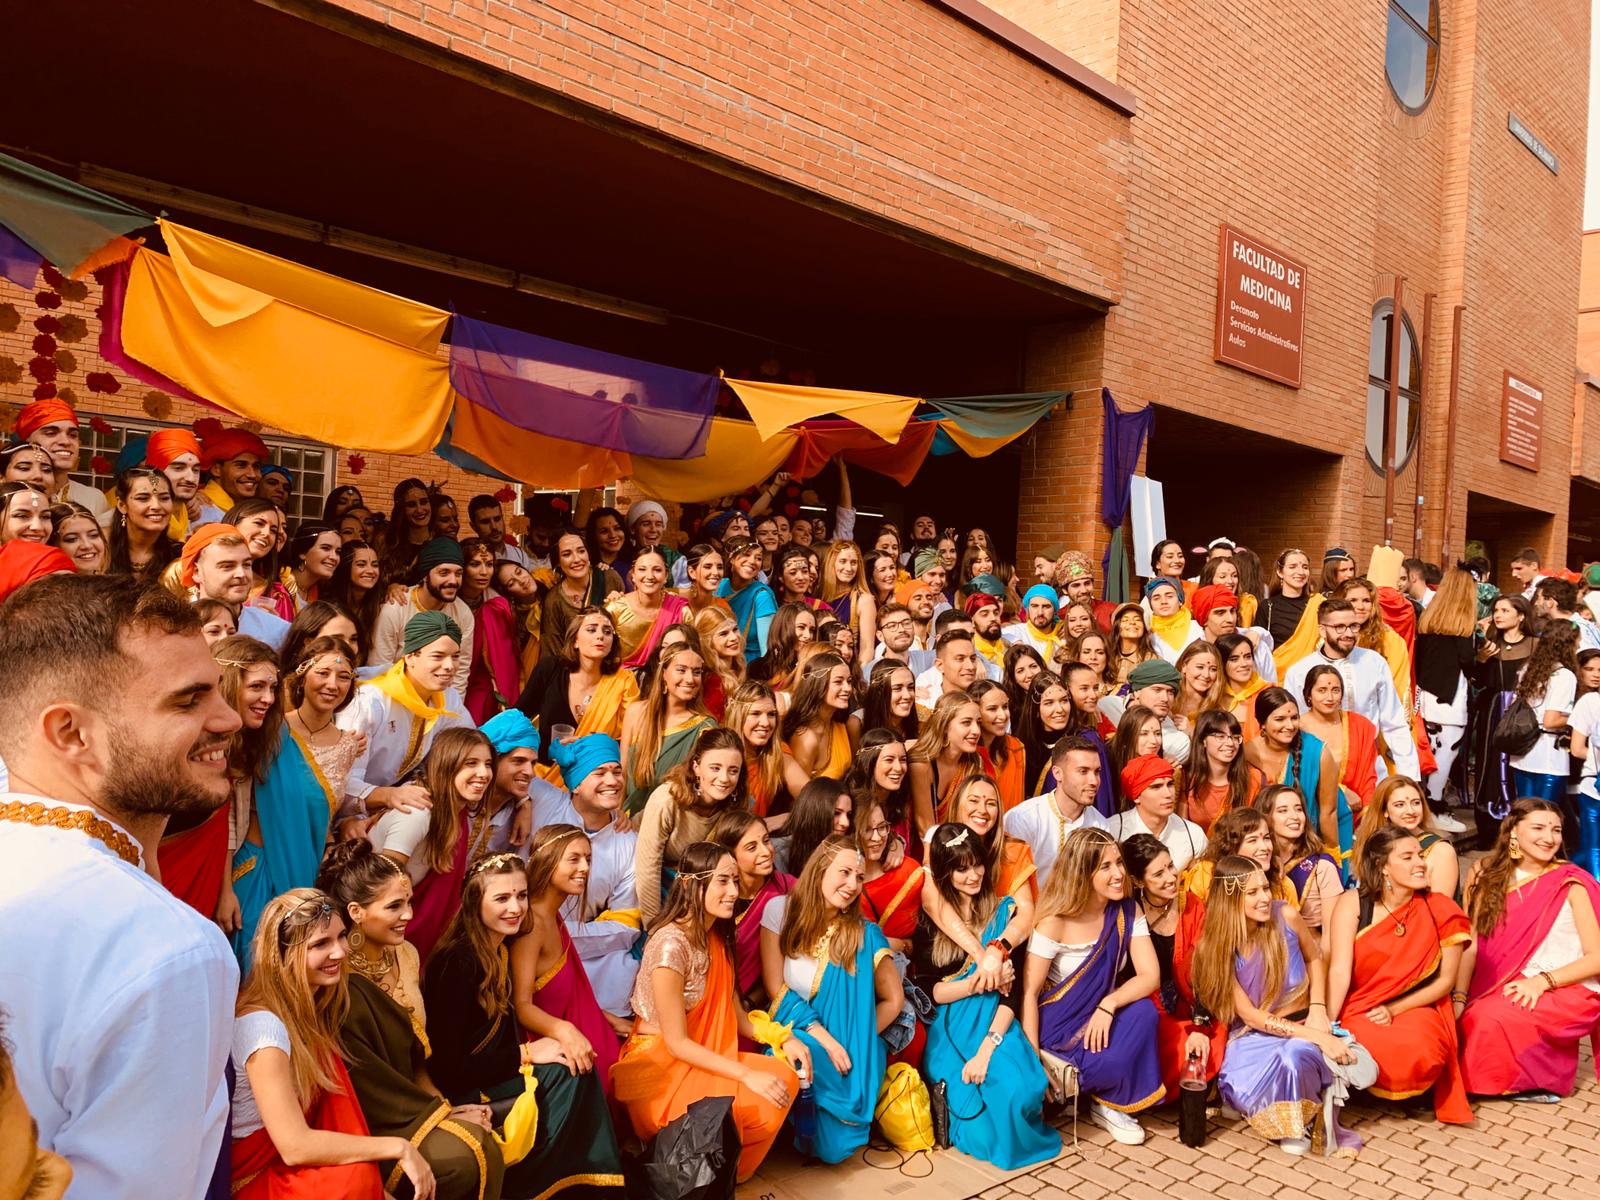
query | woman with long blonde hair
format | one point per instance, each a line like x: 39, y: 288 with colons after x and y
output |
x: 753, y: 715
x: 945, y: 752
x: 723, y: 649
x: 837, y: 986
x: 682, y: 810
x: 1199, y: 680
x: 1445, y: 653
x: 1087, y: 932
x: 1258, y: 969
x: 296, y: 1122
x: 659, y: 731
x: 846, y: 592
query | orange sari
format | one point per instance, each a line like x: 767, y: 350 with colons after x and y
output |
x: 1417, y: 1049
x: 259, y: 1172
x: 657, y: 1088
x: 1010, y: 779
x: 1017, y: 871
x: 893, y: 901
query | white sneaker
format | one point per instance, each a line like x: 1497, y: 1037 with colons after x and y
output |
x: 1295, y: 1146
x: 1120, y: 1125
x: 1445, y: 823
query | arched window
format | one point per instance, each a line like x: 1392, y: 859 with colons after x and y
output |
x: 1411, y: 56
x: 1378, y: 376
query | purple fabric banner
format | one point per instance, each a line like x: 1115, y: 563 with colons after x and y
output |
x: 1123, y: 439
x: 113, y: 299
x: 582, y: 395
x: 19, y: 262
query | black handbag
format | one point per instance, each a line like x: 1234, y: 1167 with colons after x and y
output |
x: 1518, y: 729
x: 939, y: 1107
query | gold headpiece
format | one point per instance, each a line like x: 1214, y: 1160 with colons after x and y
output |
x: 497, y: 862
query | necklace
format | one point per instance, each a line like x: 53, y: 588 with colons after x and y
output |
x: 310, y: 732
x: 378, y: 970
x: 84, y: 820
x: 1399, y: 925
x: 1154, y: 915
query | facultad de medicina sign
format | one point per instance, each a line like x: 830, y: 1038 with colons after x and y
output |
x: 1261, y: 297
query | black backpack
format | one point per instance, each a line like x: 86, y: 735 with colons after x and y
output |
x: 1518, y: 729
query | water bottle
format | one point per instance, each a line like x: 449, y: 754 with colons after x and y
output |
x: 1192, y: 1102
x: 803, y: 1116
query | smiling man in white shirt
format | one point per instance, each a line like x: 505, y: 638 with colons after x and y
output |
x: 120, y: 995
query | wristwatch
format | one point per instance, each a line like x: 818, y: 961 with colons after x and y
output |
x: 1005, y: 946
x: 996, y: 1038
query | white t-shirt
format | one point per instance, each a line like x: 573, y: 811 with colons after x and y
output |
x: 404, y: 833
x: 1184, y: 840
x: 251, y: 1032
x: 1585, y: 719
x: 799, y: 972
x: 1546, y: 758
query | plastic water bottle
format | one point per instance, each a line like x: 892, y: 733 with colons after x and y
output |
x: 1192, y: 1103
x: 803, y: 1116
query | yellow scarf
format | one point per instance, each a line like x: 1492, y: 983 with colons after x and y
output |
x: 218, y: 498
x: 1172, y: 630
x: 396, y: 684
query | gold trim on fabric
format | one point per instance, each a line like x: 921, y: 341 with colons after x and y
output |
x: 588, y: 1180
x: 475, y: 1146
x: 1384, y: 1094
x: 316, y: 771
x: 539, y: 983
x: 1061, y: 989
x: 1138, y: 1105
x: 241, y: 871
x: 914, y: 880
x: 1285, y: 1119
x: 880, y: 956
x: 416, y: 1139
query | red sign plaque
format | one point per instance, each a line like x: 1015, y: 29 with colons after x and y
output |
x: 1261, y: 296
x: 1521, y: 422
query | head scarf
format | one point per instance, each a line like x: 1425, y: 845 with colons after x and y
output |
x: 579, y: 758
x: 1141, y: 772
x: 1151, y: 672
x: 989, y: 585
x: 22, y: 562
x: 1040, y: 591
x: 198, y: 540
x: 275, y: 469
x: 440, y: 552
x: 1213, y: 595
x: 428, y: 627
x: 167, y: 444
x: 1335, y: 554
x: 1160, y: 581
x: 228, y: 443
x: 1053, y: 552
x: 1074, y: 564
x: 134, y: 453
x: 39, y: 413
x: 1590, y: 578
x: 510, y: 730
x: 910, y: 588
x: 925, y: 561
x: 642, y: 508
x: 980, y: 600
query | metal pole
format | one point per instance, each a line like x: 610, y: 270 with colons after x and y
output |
x: 1423, y: 425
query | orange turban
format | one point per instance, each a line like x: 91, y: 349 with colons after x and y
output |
x: 1141, y: 772
x: 1213, y: 595
x: 910, y: 588
x: 167, y: 444
x: 40, y: 413
x: 230, y: 443
x: 199, y: 539
x: 22, y: 562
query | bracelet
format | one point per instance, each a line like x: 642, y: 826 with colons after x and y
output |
x: 1101, y: 1007
x: 1317, y: 1004
x: 1458, y: 997
x: 1549, y: 979
x: 1276, y: 1025
x: 1005, y: 946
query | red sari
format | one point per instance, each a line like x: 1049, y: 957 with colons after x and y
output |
x: 1417, y: 1050
x: 1175, y: 1004
x: 435, y: 900
x: 259, y: 1172
x: 894, y: 899
x: 192, y: 862
x: 1508, y: 1048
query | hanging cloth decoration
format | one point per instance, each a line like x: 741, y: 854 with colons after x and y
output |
x: 821, y: 441
x: 19, y: 262
x: 737, y: 457
x: 582, y: 395
x: 980, y: 425
x: 532, y: 457
x: 65, y: 222
x: 1123, y: 439
x: 775, y: 407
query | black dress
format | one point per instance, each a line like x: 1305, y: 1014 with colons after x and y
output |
x: 1494, y: 791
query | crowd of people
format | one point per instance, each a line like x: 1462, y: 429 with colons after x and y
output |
x: 394, y: 856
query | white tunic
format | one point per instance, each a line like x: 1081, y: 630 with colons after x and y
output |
x: 388, y: 730
x: 1368, y: 690
x: 1039, y: 823
x: 121, y: 1011
x: 389, y: 635
x: 606, y: 947
x: 1184, y: 840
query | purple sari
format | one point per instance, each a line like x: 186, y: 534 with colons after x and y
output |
x: 1126, y: 1075
x: 564, y: 992
x: 1276, y: 1083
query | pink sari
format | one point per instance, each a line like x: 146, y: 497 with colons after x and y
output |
x: 747, y: 933
x: 494, y: 681
x: 564, y: 992
x: 435, y: 900
x: 672, y: 608
x: 1508, y: 1048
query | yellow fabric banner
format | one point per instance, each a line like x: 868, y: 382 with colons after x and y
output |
x: 285, y: 366
x: 736, y: 457
x: 977, y: 447
x: 228, y: 282
x: 774, y: 407
x: 532, y: 457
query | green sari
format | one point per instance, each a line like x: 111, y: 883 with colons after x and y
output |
x: 675, y: 748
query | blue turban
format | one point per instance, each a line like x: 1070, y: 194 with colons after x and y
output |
x: 1039, y: 591
x: 579, y: 757
x: 1161, y: 581
x: 510, y: 730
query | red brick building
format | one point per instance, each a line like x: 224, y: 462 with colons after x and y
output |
x: 940, y: 197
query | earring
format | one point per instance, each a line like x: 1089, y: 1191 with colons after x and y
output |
x: 1515, y: 851
x: 1387, y: 882
x: 357, y: 939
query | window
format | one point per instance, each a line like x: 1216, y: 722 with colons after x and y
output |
x: 1378, y: 376
x: 1411, y: 56
x: 309, y: 463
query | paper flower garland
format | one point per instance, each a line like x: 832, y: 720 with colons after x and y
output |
x: 356, y: 463
x: 157, y: 405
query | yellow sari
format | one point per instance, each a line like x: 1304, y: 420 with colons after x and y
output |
x: 604, y: 715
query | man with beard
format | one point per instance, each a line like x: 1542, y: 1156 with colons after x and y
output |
x: 604, y: 922
x: 176, y: 454
x: 52, y: 425
x: 487, y: 517
x: 121, y: 996
x: 516, y: 786
x: 234, y: 458
x: 1154, y: 683
x: 1038, y: 625
x: 440, y: 565
x: 1368, y: 685
x: 1074, y: 579
x: 216, y: 564
x: 986, y: 612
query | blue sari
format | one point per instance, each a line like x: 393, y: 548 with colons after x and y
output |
x: 845, y: 1004
x: 1126, y: 1075
x: 753, y: 607
x: 294, y: 807
x: 1000, y: 1120
x: 1306, y: 780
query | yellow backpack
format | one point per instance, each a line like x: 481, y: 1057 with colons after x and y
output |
x: 904, y: 1112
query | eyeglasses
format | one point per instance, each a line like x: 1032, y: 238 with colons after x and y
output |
x: 1227, y: 737
x: 313, y: 910
x: 876, y: 831
x: 1342, y: 627
x: 901, y: 623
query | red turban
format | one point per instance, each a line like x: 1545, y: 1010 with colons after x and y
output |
x: 167, y: 444
x: 22, y: 562
x: 980, y: 600
x: 199, y: 539
x: 1141, y: 772
x: 40, y: 413
x: 1213, y: 595
x: 230, y: 443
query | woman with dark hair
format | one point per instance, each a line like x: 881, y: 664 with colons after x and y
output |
x: 1168, y: 561
x: 1507, y: 646
x: 1285, y: 753
x: 816, y: 736
x: 383, y: 1030
x: 1241, y: 682
x: 1022, y: 665
x: 1247, y: 833
x: 1528, y: 989
x: 1216, y: 776
x: 356, y: 588
x: 682, y: 810
x: 793, y: 628
x: 24, y: 513
x: 890, y: 702
x: 1289, y: 612
x: 1351, y: 739
x: 821, y: 810
x: 1252, y: 588
x: 1394, y: 951
x: 605, y: 535
x: 76, y: 532
x: 1138, y: 734
x: 477, y: 1051
x: 260, y: 524
x: 1130, y: 640
x: 582, y: 686
x: 1299, y: 856
x: 752, y: 601
x: 570, y: 584
x: 685, y: 1045
x: 744, y: 835
x: 792, y: 577
x: 1004, y: 758
x: 310, y: 559
x: 494, y: 680
x: 1046, y: 717
x: 343, y: 499
x: 643, y: 614
x: 704, y: 569
x: 139, y: 544
x: 660, y: 729
x: 410, y: 525
x: 1549, y: 686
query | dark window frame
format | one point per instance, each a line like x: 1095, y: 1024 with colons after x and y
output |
x: 1411, y: 431
x: 1430, y: 40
